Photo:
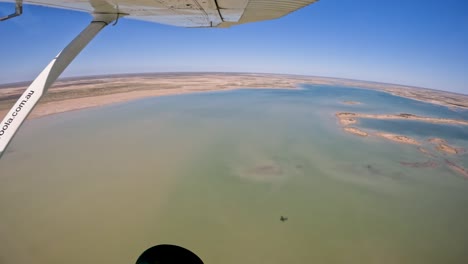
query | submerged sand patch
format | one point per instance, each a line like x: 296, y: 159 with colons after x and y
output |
x: 262, y: 172
x: 424, y: 151
x: 351, y: 102
x: 266, y: 169
x: 427, y: 164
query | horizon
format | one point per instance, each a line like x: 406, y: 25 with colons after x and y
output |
x: 115, y: 75
x: 419, y: 44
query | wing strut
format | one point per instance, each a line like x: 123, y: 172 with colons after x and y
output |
x: 18, y: 11
x: 28, y: 100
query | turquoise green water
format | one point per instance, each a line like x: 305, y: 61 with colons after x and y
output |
x: 214, y: 172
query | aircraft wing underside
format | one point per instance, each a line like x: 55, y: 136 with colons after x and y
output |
x: 184, y: 13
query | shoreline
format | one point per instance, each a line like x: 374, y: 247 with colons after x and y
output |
x: 76, y: 104
x: 81, y: 93
x: 78, y: 93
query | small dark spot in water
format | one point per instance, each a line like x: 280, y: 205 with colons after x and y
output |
x: 372, y: 169
x: 299, y: 166
x: 406, y: 115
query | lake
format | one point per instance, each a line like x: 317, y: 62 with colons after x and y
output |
x: 213, y: 172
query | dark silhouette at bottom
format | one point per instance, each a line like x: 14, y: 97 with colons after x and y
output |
x: 168, y: 254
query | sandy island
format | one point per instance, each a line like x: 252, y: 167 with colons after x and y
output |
x: 443, y: 146
x: 398, y: 138
x: 78, y: 93
x: 346, y: 121
x: 356, y: 131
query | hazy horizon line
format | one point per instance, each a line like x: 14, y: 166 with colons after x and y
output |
x: 111, y: 75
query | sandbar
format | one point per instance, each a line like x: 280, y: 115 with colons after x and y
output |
x: 402, y: 116
x: 345, y: 121
x: 443, y: 146
x: 457, y: 168
x: 355, y: 131
x: 398, y: 138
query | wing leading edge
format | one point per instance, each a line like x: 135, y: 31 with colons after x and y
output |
x: 184, y: 13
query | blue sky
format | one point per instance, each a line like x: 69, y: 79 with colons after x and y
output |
x: 419, y: 42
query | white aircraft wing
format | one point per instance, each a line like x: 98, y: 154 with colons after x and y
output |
x: 184, y: 13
